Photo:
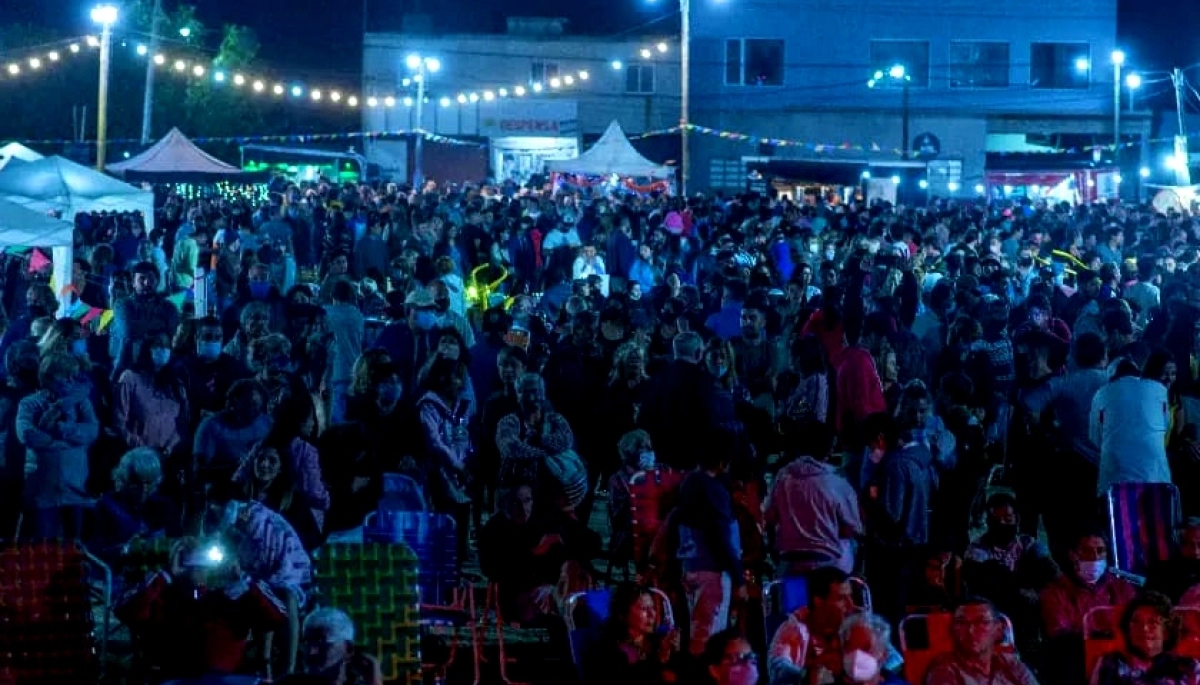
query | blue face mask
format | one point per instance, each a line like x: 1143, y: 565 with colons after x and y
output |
x: 209, y: 350
x: 425, y: 320
x: 160, y: 356
x: 259, y: 291
x: 79, y: 348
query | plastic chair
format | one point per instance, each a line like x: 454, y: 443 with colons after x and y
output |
x: 376, y: 585
x: 782, y: 597
x: 46, y: 612
x: 593, y: 606
x: 1143, y: 520
x: 402, y: 493
x: 924, y: 636
x: 1187, y: 643
x: 446, y: 597
x: 1100, y: 636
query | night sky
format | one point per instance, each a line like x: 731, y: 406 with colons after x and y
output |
x: 316, y: 35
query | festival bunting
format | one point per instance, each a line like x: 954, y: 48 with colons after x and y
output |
x: 38, y: 261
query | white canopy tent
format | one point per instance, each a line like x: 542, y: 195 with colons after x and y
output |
x: 55, y: 184
x: 24, y: 227
x: 60, y: 186
x: 612, y: 154
x: 18, y: 152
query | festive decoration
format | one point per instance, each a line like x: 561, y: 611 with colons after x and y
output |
x: 294, y: 89
x: 294, y: 138
x: 820, y: 148
x: 38, y: 261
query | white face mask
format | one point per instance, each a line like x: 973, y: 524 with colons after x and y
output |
x: 860, y: 666
x: 1091, y: 572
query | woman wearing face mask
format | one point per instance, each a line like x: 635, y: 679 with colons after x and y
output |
x: 730, y: 660
x: 865, y: 639
x: 150, y: 401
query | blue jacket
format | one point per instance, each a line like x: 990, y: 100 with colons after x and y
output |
x: 708, y: 530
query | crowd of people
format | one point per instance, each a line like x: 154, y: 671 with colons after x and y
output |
x: 826, y: 387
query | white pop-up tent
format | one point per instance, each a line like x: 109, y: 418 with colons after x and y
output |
x: 611, y: 154
x: 58, y: 185
x: 18, y: 152
x: 24, y: 227
x: 55, y: 184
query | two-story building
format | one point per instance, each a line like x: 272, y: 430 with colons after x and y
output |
x: 935, y: 92
x: 534, y: 93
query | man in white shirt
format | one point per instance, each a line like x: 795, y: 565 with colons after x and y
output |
x: 1129, y: 422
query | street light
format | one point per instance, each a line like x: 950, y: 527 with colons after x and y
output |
x: 105, y: 16
x: 423, y: 66
x: 899, y: 74
x: 185, y: 32
x: 1132, y: 82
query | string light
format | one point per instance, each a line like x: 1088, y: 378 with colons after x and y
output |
x: 198, y: 68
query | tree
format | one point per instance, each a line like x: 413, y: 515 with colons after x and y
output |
x: 224, y: 109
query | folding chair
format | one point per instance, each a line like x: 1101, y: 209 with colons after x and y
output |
x: 376, y: 585
x: 1143, y: 522
x: 402, y: 493
x: 446, y: 596
x: 782, y: 597
x: 47, y: 615
x: 1187, y: 643
x: 592, y: 607
x: 924, y: 636
x: 1100, y: 636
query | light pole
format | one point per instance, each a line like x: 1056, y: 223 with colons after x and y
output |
x: 1118, y: 60
x: 898, y: 74
x: 105, y: 16
x: 423, y: 66
x: 685, y: 70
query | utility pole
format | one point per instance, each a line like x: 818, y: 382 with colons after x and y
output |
x: 148, y: 94
x: 1183, y: 176
x: 685, y: 74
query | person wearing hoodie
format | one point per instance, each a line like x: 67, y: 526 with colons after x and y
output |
x: 710, y: 548
x: 813, y: 510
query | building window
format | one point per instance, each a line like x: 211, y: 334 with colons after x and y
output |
x: 541, y: 72
x: 754, y: 62
x: 639, y: 79
x: 1059, y: 66
x: 978, y: 64
x: 913, y: 55
x: 727, y: 174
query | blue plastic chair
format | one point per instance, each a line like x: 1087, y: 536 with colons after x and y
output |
x: 402, y: 493
x: 432, y: 537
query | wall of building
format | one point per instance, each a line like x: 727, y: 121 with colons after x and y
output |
x: 481, y: 63
x: 875, y: 135
x: 827, y: 52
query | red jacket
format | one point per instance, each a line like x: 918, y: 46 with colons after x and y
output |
x: 192, y: 631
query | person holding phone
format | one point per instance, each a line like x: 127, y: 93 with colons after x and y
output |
x: 195, y: 619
